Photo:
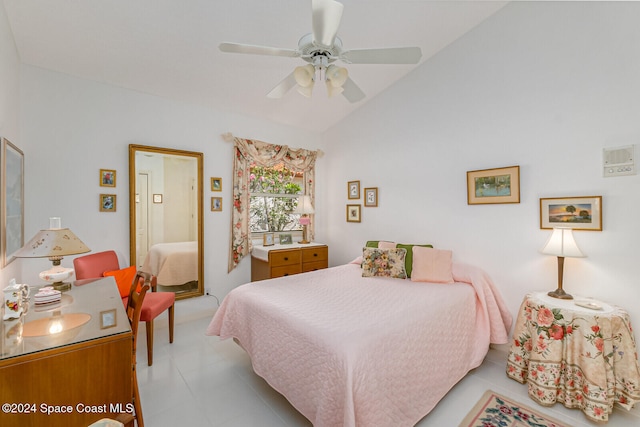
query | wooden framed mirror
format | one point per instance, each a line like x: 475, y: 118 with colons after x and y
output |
x: 165, y: 217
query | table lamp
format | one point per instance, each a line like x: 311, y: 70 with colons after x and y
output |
x: 54, y: 243
x: 305, y: 208
x: 561, y: 244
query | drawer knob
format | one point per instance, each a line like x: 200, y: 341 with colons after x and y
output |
x: 286, y: 258
x: 286, y: 274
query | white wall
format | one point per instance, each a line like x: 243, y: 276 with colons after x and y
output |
x: 9, y: 109
x: 78, y: 127
x: 543, y: 85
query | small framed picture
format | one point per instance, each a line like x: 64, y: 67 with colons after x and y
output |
x: 157, y: 198
x: 107, y: 203
x: 107, y: 178
x: 353, y: 213
x: 578, y: 213
x: 285, y: 239
x: 267, y: 239
x: 371, y: 197
x: 108, y: 319
x: 216, y: 184
x: 353, y: 189
x: 216, y: 204
x: 490, y: 186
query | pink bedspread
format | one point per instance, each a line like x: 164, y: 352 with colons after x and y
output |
x: 173, y: 263
x: 352, y: 351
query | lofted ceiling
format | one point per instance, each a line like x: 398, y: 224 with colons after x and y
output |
x: 169, y: 48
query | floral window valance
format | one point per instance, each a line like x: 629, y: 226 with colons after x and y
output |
x: 264, y: 154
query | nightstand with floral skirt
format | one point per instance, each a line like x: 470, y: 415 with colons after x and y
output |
x: 582, y: 356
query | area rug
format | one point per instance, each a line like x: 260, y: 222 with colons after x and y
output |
x: 496, y: 410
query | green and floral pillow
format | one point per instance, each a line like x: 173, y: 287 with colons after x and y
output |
x: 384, y: 262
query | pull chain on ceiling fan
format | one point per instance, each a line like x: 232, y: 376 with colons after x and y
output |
x: 321, y: 49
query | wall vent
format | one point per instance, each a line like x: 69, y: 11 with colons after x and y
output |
x: 618, y: 161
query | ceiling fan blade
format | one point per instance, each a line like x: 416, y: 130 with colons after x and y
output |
x: 283, y: 87
x: 257, y: 50
x: 392, y: 55
x: 352, y: 92
x: 325, y: 20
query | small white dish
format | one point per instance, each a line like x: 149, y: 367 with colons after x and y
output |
x: 588, y: 304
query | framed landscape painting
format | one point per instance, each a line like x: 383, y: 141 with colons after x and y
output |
x: 498, y: 185
x: 578, y: 213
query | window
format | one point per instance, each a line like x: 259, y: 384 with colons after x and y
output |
x: 274, y: 196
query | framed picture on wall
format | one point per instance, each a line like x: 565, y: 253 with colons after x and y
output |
x: 353, y: 189
x: 490, y: 186
x: 353, y: 213
x: 108, y: 202
x: 12, y: 160
x: 216, y: 204
x: 578, y: 213
x: 216, y: 184
x: 107, y: 178
x: 371, y: 197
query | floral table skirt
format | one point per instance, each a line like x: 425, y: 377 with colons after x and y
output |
x: 586, y: 359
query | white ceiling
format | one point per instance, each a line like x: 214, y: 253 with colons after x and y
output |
x: 169, y: 48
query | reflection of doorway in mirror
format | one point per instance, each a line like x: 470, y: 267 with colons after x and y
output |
x: 142, y: 209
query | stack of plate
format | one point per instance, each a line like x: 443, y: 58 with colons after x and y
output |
x: 47, y: 295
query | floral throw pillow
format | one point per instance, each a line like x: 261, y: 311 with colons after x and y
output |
x: 384, y: 262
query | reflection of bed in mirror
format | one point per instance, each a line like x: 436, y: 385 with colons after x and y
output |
x: 174, y: 264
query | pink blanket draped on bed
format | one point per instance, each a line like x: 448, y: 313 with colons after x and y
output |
x: 352, y: 351
x: 173, y: 263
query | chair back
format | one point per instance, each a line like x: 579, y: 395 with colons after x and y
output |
x: 94, y: 265
x: 134, y: 309
x: 134, y: 302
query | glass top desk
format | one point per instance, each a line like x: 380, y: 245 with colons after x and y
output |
x: 68, y: 363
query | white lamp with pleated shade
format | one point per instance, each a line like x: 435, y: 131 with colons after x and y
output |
x: 562, y: 244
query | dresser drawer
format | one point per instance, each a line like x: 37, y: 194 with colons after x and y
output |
x: 315, y: 253
x: 280, y: 258
x: 313, y: 266
x: 278, y: 261
x: 285, y: 270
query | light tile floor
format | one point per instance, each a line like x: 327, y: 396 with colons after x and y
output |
x: 200, y: 381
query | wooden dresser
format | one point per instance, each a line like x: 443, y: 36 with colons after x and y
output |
x: 73, y: 377
x: 268, y: 262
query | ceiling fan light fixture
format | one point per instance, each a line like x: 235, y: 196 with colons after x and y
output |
x: 304, y: 75
x: 337, y: 76
x: 333, y: 90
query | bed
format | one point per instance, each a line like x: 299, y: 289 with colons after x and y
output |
x: 172, y: 263
x: 347, y: 350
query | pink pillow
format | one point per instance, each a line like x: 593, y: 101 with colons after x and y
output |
x: 386, y: 245
x: 431, y: 265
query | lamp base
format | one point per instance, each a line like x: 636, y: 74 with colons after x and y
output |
x: 559, y: 293
x: 304, y: 240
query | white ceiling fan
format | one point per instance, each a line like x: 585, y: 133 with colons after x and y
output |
x: 321, y: 49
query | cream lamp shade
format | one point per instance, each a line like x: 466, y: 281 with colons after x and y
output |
x: 305, y: 208
x: 335, y: 77
x: 561, y: 244
x: 304, y: 77
x: 54, y: 243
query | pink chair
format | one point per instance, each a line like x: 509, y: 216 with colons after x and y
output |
x: 94, y: 265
